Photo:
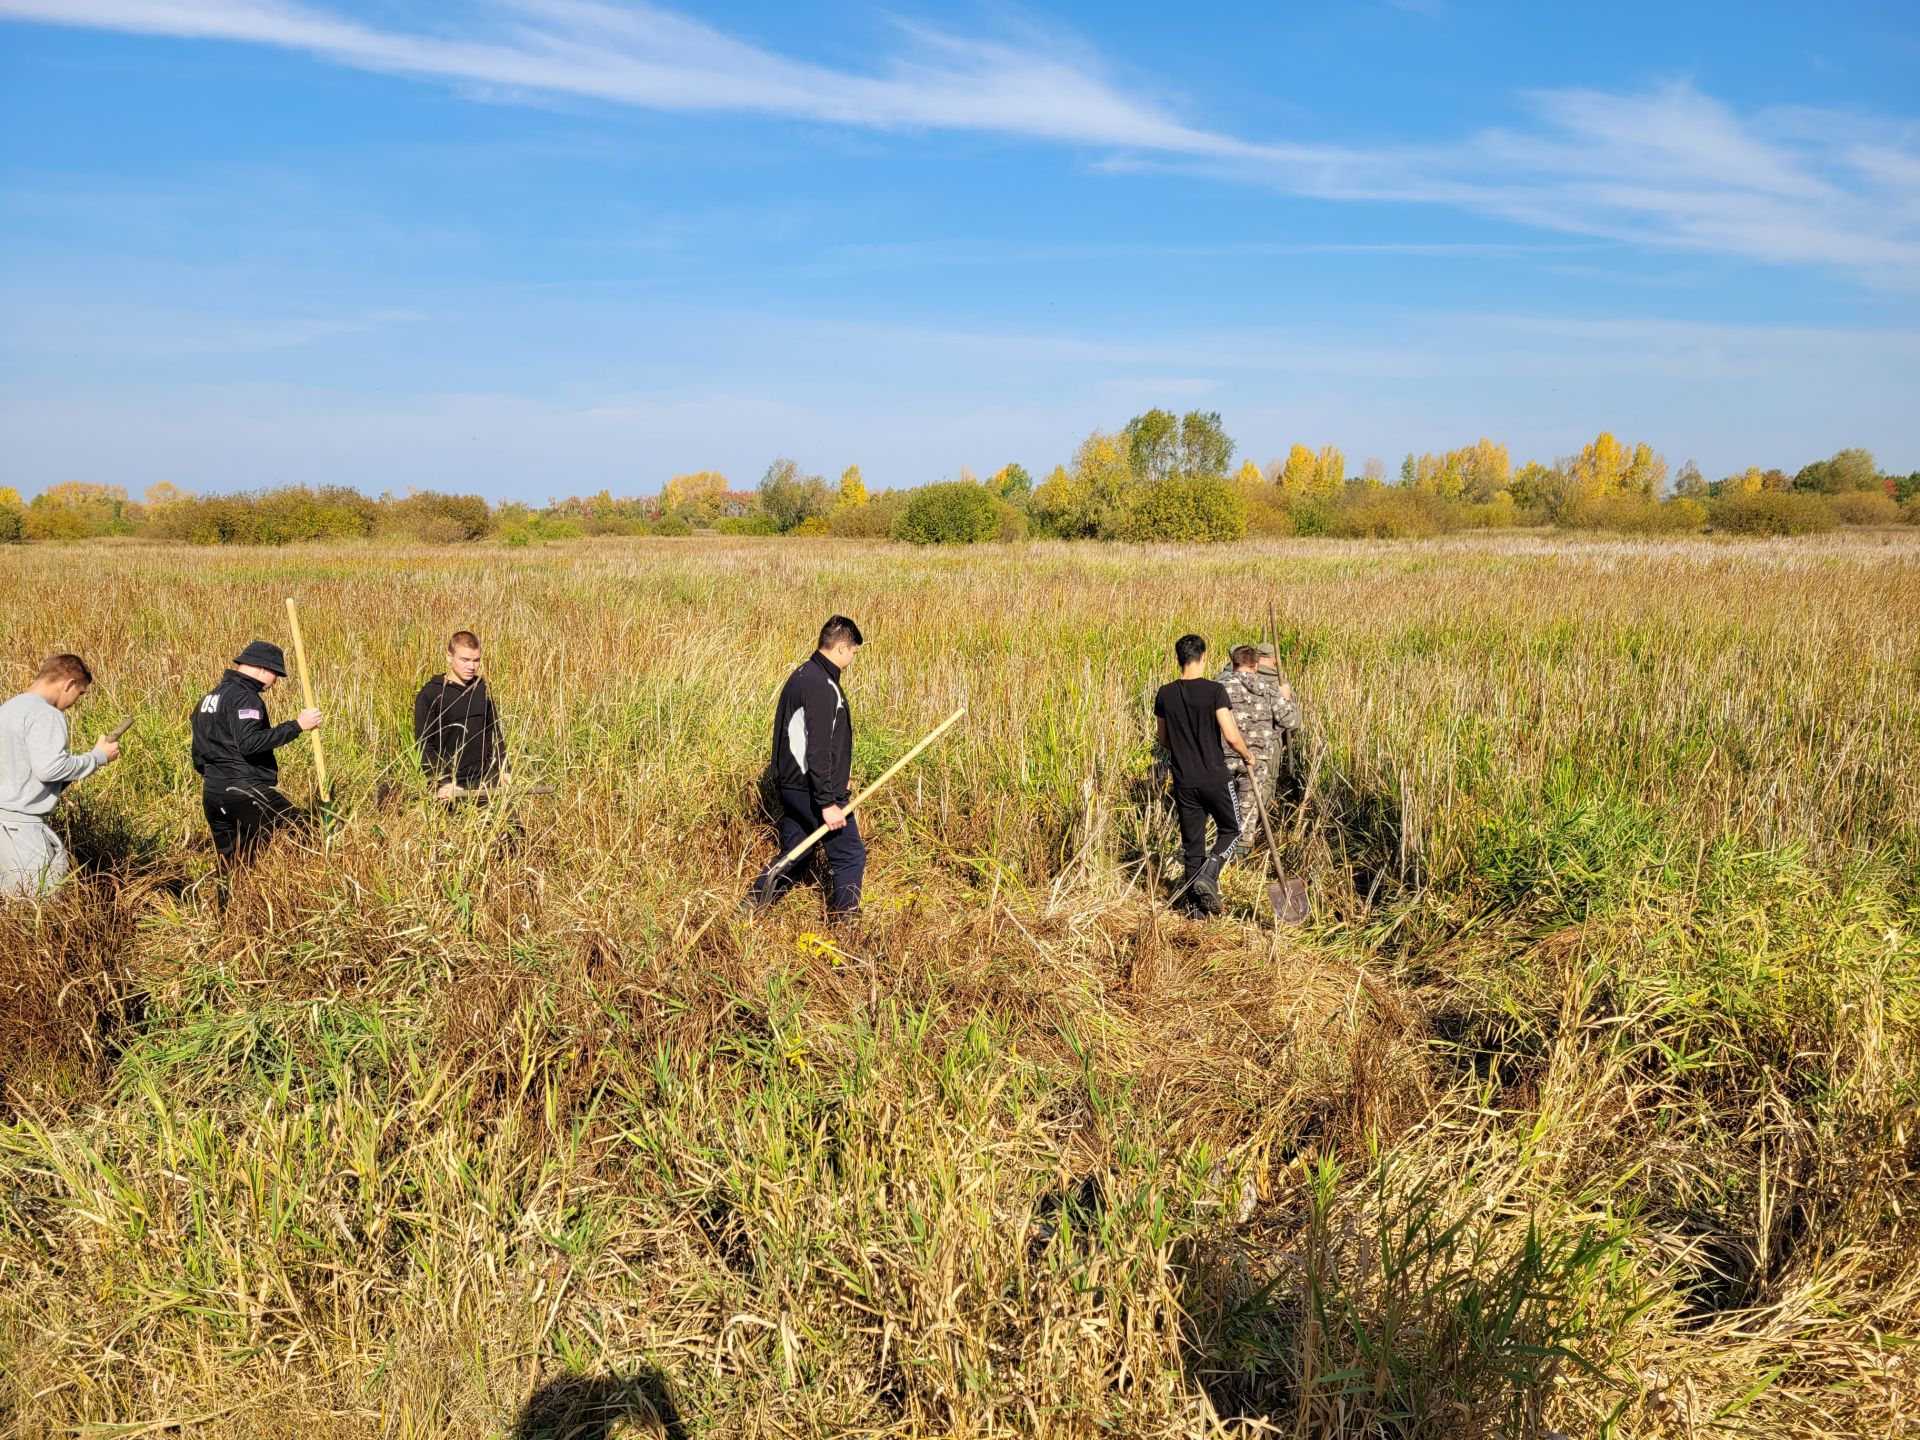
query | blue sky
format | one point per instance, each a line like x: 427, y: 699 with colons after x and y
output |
x: 541, y: 247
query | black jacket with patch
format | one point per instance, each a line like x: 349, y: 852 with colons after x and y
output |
x: 233, y: 737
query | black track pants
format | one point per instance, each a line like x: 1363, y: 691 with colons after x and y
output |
x: 1198, y: 804
x: 843, y: 851
x: 243, y: 817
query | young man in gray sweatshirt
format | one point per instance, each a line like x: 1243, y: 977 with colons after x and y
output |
x: 35, y: 766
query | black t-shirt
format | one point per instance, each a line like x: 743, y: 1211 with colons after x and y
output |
x: 1193, y: 729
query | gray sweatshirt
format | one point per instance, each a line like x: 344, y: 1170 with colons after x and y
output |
x: 35, y: 765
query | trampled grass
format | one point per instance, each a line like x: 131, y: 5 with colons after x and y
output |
x: 1585, y: 1104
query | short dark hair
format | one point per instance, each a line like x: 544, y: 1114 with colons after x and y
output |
x: 64, y: 667
x: 1189, y: 648
x: 463, y: 637
x: 838, y: 628
x: 1244, y: 655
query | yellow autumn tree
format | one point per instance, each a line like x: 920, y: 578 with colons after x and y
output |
x: 1646, y: 473
x: 1601, y: 467
x: 1059, y: 504
x: 1329, y: 471
x: 1486, y: 470
x: 1302, y: 470
x: 1748, y: 482
x: 703, y: 489
x: 165, y: 493
x: 1440, y: 475
x: 853, y: 489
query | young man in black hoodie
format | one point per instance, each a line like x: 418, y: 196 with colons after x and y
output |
x: 1195, y: 725
x: 812, y: 762
x: 233, y: 745
x: 456, y: 726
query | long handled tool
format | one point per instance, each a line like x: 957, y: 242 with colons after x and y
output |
x: 306, y: 701
x: 786, y: 860
x: 847, y: 809
x: 1287, y: 892
x: 120, y: 729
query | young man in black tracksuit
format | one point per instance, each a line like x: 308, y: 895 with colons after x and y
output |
x: 1194, y: 717
x: 456, y: 726
x: 233, y: 745
x: 812, y: 760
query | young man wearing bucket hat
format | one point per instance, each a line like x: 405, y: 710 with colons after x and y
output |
x: 233, y: 745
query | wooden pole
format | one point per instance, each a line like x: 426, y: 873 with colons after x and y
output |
x: 306, y: 699
x: 794, y: 854
x: 885, y: 775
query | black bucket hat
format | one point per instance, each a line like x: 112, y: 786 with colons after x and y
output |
x: 263, y: 654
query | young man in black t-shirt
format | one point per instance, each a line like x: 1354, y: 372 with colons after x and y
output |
x: 1193, y: 718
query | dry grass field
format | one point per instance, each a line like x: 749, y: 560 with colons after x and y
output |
x: 1585, y: 1104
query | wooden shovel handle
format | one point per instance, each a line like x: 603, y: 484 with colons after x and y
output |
x: 885, y: 775
x: 306, y: 699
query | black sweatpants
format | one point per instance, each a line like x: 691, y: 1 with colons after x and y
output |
x: 243, y: 817
x: 844, y: 852
x: 1197, y: 804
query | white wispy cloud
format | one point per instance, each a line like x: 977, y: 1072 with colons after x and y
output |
x: 1668, y: 166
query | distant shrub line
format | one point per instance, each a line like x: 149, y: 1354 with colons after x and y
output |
x: 1159, y: 478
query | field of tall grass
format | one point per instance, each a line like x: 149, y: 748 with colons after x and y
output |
x: 1585, y: 1104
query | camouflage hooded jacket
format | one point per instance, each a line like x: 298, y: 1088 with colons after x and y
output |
x: 1260, y: 711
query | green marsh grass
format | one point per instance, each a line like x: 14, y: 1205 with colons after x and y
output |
x: 1583, y: 1106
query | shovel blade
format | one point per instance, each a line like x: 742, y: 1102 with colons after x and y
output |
x: 1288, y: 896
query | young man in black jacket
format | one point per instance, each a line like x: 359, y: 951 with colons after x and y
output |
x: 1195, y: 725
x: 812, y: 762
x: 456, y: 726
x: 233, y: 745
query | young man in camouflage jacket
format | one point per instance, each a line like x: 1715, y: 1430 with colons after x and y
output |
x: 1263, y: 706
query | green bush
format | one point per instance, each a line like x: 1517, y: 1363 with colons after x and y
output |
x: 1266, y: 516
x: 872, y: 521
x: 1633, y: 514
x: 1384, y: 514
x: 1910, y: 512
x: 956, y: 512
x: 521, y: 527
x: 755, y: 524
x: 673, y: 525
x: 1499, y: 514
x: 1865, y: 507
x: 1772, y: 512
x: 1209, y: 510
x: 1311, y: 515
x: 13, y: 525
x: 1013, y: 523
x: 439, y: 519
x: 269, y: 517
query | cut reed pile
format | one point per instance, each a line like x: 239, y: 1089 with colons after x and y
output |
x: 1585, y: 1105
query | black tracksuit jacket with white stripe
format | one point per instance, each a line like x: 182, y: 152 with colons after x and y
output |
x: 813, y: 734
